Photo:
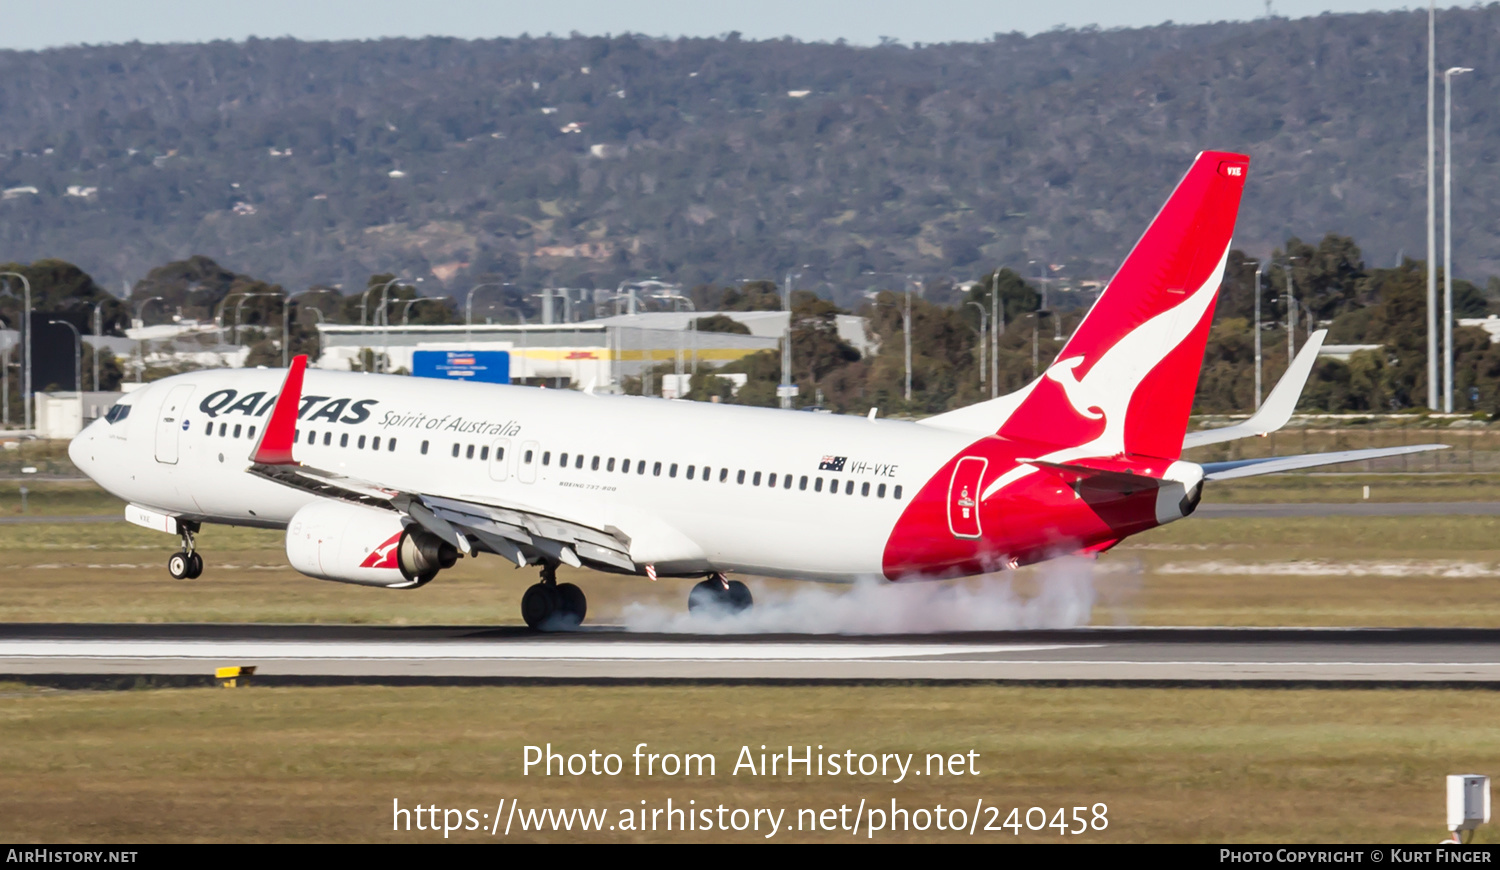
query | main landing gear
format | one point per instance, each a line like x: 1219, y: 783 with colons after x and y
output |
x: 187, y: 564
x: 720, y: 594
x: 550, y: 605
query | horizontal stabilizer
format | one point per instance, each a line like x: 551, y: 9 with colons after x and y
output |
x: 1072, y: 473
x: 1274, y: 464
x: 1278, y: 407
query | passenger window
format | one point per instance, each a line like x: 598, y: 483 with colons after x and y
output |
x: 344, y: 442
x: 424, y: 448
x: 484, y: 454
x: 499, y: 454
x: 594, y: 465
x: 455, y: 449
x: 375, y: 444
x: 833, y: 485
x: 864, y: 488
x: 896, y: 493
x: 756, y: 480
x: 312, y: 438
x: 849, y: 488
x: 724, y: 474
x: 526, y: 457
x: 690, y: 472
x: 640, y: 467
x: 624, y: 466
x: 656, y: 469
x: 818, y: 485
x: 236, y: 430
x: 362, y: 443
x: 469, y: 453
x: 223, y: 428
x: 209, y: 430
x: 390, y: 446
x: 562, y: 461
x: 578, y: 461
x: 786, y: 481
x: 610, y: 466
x: 672, y: 472
x: 547, y: 457
x: 802, y: 484
x: 252, y: 431
x: 296, y: 433
x: 740, y: 478
x: 880, y: 491
x: 328, y: 439
x: 771, y: 481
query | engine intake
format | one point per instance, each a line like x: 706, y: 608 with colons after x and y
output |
x: 351, y: 543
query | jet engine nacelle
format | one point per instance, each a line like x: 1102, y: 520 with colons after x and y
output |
x: 350, y: 543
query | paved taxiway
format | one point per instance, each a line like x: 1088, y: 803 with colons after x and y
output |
x: 297, y: 653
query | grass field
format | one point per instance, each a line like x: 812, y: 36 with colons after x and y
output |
x: 263, y: 764
x: 1316, y: 571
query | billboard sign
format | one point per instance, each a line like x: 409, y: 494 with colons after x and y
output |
x: 485, y: 366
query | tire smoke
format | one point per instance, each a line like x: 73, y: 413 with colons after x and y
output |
x: 1065, y: 598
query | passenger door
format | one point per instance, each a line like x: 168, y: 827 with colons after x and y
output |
x: 170, y: 424
x: 963, y: 497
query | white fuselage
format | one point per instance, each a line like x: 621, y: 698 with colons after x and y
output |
x: 184, y: 447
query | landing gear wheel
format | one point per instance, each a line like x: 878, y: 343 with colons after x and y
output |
x: 720, y: 596
x: 540, y: 603
x: 572, y: 605
x: 195, y: 566
x: 180, y: 566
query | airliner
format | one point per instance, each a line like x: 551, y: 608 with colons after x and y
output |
x: 385, y: 480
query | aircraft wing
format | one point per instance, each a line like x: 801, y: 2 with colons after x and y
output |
x: 1274, y: 464
x: 1278, y: 407
x: 517, y: 532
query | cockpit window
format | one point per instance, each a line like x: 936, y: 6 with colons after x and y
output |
x: 117, y: 413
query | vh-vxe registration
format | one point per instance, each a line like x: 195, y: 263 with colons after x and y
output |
x: 385, y: 480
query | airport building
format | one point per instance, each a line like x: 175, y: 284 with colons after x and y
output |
x: 602, y: 352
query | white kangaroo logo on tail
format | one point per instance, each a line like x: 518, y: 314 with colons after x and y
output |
x: 1110, y: 384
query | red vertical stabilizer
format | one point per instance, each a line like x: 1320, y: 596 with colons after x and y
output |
x: 1125, y: 381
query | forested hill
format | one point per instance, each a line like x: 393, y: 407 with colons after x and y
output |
x: 583, y: 161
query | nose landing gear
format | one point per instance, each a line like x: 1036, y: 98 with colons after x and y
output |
x: 187, y: 564
x: 552, y: 605
x: 721, y: 595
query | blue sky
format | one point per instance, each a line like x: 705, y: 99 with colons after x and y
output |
x: 32, y: 24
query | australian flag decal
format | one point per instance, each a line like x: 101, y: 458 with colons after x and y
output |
x: 832, y: 463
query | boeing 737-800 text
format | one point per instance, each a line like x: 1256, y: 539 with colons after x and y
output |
x: 386, y: 480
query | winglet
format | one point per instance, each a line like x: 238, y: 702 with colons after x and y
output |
x: 275, y: 444
x: 1278, y: 407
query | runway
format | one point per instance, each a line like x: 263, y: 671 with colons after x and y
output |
x: 1205, y: 511
x: 301, y: 654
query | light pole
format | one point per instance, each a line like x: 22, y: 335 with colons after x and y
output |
x: 25, y: 348
x: 997, y: 318
x: 784, y: 392
x: 469, y: 304
x: 239, y: 309
x: 140, y: 343
x: 1432, y: 349
x: 1448, y: 234
x: 364, y: 299
x: 406, y: 309
x: 98, y: 333
x: 1258, y: 268
x: 984, y: 319
x: 77, y: 360
x: 1291, y: 312
x: 906, y: 329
